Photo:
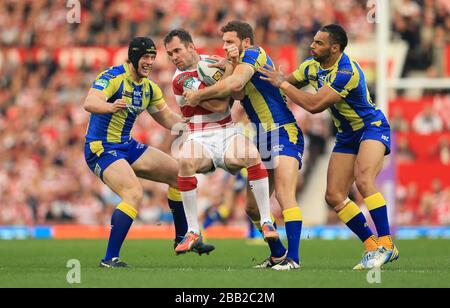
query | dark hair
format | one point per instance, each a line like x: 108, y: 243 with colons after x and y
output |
x: 184, y: 36
x: 337, y: 35
x: 243, y: 29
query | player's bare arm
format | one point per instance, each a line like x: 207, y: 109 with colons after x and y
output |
x: 228, y: 66
x: 166, y: 117
x: 216, y: 105
x: 219, y: 105
x: 95, y: 102
x: 313, y: 103
x: 225, y: 87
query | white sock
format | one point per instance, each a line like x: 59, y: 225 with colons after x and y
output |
x: 190, y: 209
x: 260, y: 189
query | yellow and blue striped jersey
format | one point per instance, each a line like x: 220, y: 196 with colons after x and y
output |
x: 116, y: 83
x: 265, y: 104
x: 355, y: 110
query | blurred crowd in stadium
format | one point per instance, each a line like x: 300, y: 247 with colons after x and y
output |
x: 43, y: 176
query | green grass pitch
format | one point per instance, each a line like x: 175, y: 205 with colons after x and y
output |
x: 42, y: 263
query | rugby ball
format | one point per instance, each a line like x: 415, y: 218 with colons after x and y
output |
x: 208, y: 75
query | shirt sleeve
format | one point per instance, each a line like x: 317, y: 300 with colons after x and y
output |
x: 255, y: 56
x: 345, y: 80
x: 157, y: 101
x: 184, y: 82
x: 107, y: 83
x: 301, y: 73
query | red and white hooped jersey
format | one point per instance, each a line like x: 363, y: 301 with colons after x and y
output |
x: 199, y: 118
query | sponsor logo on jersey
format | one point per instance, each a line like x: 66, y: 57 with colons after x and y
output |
x: 377, y: 123
x: 217, y: 76
x: 102, y: 83
x: 321, y: 80
x: 127, y: 94
x: 189, y: 83
x: 108, y: 75
x: 312, y: 77
x: 345, y: 72
x: 137, y: 98
x: 180, y: 79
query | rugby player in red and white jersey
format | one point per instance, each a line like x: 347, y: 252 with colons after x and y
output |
x: 213, y: 142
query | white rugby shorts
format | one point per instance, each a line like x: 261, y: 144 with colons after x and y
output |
x: 216, y: 143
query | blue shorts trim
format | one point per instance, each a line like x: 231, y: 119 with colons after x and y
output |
x: 277, y: 143
x: 111, y: 152
x: 350, y: 142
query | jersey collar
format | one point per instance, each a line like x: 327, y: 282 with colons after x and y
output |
x: 128, y: 74
x: 334, y: 65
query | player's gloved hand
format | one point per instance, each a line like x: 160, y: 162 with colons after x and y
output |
x: 191, y: 98
x: 274, y: 76
x: 118, y: 105
x: 221, y: 62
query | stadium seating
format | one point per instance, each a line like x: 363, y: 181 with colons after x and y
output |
x: 425, y: 167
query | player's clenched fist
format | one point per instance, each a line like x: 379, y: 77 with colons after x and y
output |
x: 118, y: 105
x: 232, y: 52
x: 191, y: 98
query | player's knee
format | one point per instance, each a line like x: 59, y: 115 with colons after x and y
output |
x: 252, y: 158
x: 133, y: 196
x: 333, y: 199
x: 187, y: 165
x: 364, y: 183
x: 252, y: 162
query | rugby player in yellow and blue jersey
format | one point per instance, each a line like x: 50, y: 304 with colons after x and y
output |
x: 362, y: 141
x: 278, y: 138
x: 116, y: 98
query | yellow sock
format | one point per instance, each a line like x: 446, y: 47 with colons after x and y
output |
x: 128, y: 210
x: 224, y: 212
x: 386, y: 242
x: 257, y: 225
x: 371, y: 243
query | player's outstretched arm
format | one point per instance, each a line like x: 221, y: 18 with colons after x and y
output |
x: 216, y: 105
x: 95, y: 102
x: 228, y: 67
x: 166, y: 117
x: 225, y: 87
x: 313, y: 103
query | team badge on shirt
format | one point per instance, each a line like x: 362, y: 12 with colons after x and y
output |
x: 102, y: 83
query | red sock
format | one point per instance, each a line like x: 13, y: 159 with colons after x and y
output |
x: 187, y: 183
x: 257, y: 172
